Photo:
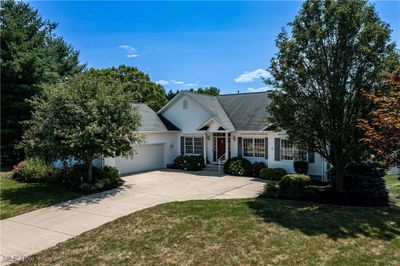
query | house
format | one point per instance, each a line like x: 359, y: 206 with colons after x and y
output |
x: 218, y: 128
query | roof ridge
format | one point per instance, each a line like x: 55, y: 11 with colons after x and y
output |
x: 245, y: 93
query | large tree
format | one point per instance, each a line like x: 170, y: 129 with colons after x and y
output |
x: 382, y: 129
x: 82, y: 118
x: 31, y: 54
x: 141, y: 88
x: 335, y: 49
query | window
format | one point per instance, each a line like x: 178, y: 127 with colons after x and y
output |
x: 289, y: 151
x: 194, y: 145
x: 253, y: 147
x: 185, y: 104
x: 259, y: 150
x: 286, y: 150
x: 300, y: 153
x: 248, y: 147
x: 198, y: 145
x: 189, y: 145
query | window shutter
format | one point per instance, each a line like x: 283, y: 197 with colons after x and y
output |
x: 266, y: 148
x: 202, y: 147
x: 311, y: 157
x: 182, y: 145
x: 239, y: 147
x: 277, y: 149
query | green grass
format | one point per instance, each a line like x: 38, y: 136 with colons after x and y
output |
x: 249, y: 231
x: 393, y: 185
x: 18, y: 197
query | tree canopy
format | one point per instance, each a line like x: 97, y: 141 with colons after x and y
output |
x: 382, y: 129
x: 82, y: 118
x: 137, y: 83
x: 213, y: 91
x: 335, y: 49
x: 31, y: 55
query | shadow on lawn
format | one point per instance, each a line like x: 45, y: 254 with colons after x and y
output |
x: 36, y: 194
x: 334, y: 221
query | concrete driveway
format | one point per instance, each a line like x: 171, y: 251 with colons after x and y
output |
x: 32, y: 232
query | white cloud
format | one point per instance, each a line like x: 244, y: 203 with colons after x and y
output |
x: 191, y: 84
x: 162, y: 82
x: 250, y: 76
x: 177, y: 82
x: 258, y: 89
x: 131, y: 52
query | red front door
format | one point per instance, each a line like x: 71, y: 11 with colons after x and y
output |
x: 220, y: 147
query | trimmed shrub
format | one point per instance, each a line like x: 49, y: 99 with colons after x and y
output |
x: 178, y: 162
x: 189, y: 163
x: 274, y: 174
x: 257, y: 167
x: 238, y: 166
x: 193, y: 163
x: 270, y: 191
x: 363, y: 184
x: 293, y: 185
x: 34, y: 170
x: 300, y: 167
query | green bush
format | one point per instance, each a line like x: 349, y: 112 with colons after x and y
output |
x: 179, y: 162
x: 270, y: 191
x: 364, y: 185
x: 300, y: 167
x: 293, y: 185
x: 238, y: 166
x: 109, y: 173
x: 257, y: 167
x: 34, y: 170
x: 274, y: 174
x: 189, y: 162
x: 193, y: 163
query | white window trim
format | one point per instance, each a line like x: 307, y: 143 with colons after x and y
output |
x: 184, y: 145
x: 254, y: 148
x: 293, y: 152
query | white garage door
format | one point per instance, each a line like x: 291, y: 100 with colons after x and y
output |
x: 146, y: 157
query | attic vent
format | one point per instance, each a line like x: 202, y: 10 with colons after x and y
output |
x: 185, y: 104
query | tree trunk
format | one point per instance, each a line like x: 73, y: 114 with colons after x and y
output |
x: 339, y: 168
x: 90, y: 171
x: 339, y: 164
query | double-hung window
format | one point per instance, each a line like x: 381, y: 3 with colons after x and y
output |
x: 193, y: 145
x: 286, y: 150
x: 290, y: 151
x: 254, y: 147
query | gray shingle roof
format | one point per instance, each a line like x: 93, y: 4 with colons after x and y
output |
x: 212, y: 104
x: 151, y: 121
x: 247, y: 111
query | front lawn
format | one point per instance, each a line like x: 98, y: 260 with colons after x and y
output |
x: 393, y: 185
x: 247, y: 231
x: 19, y: 197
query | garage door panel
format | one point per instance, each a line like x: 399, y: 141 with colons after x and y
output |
x: 146, y: 157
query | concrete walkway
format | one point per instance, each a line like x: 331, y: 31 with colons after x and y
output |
x: 32, y: 232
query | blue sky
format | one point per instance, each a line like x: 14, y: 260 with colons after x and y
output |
x: 184, y: 44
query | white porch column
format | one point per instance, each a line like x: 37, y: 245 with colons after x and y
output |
x: 226, y: 145
x: 205, y: 148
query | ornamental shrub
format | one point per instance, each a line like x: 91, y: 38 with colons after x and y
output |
x: 257, y: 167
x: 274, y: 174
x: 364, y: 184
x: 300, y: 167
x: 238, y: 166
x: 189, y: 163
x: 34, y: 170
x: 293, y: 185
